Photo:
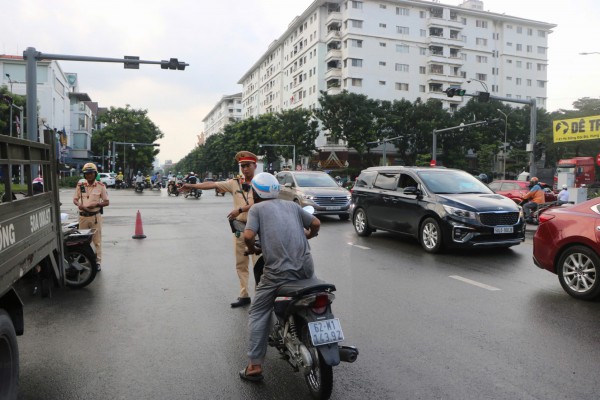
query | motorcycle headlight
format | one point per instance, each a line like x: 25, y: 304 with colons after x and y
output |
x: 460, y: 213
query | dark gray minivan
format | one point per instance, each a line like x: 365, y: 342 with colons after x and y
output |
x: 440, y: 207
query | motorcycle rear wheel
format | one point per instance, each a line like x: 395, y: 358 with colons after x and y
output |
x: 320, y: 378
x: 85, y: 256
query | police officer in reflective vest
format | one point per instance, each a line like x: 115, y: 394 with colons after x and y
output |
x: 90, y: 197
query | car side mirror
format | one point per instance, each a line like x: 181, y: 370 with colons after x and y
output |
x: 412, y: 191
x: 288, y: 185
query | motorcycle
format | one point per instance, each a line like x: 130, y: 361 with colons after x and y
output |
x: 119, y: 184
x: 534, y: 217
x: 139, y: 187
x: 305, y: 331
x: 157, y: 185
x: 80, y: 258
x: 193, y: 192
x: 173, y: 188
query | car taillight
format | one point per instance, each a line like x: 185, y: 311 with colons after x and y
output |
x: 320, y: 304
x: 545, y: 218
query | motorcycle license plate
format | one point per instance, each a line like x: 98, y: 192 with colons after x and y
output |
x: 503, y: 229
x: 325, y: 332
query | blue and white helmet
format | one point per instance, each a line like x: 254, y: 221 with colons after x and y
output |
x: 266, y: 186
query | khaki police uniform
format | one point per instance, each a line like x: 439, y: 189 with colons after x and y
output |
x: 91, y: 195
x: 234, y: 186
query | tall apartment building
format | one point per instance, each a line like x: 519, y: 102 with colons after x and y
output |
x: 398, y: 49
x: 228, y: 109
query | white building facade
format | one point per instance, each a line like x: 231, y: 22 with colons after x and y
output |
x: 228, y: 109
x: 398, y: 49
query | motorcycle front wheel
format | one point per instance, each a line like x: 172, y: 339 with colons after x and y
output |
x: 84, y: 258
x: 320, y: 378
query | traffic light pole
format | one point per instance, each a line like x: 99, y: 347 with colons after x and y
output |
x: 532, y: 126
x: 452, y: 128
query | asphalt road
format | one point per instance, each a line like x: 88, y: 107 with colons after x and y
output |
x: 156, y: 323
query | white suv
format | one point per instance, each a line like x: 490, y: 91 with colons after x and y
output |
x: 107, y: 179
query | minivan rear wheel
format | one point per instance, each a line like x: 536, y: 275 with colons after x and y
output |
x: 361, y: 223
x: 430, y: 236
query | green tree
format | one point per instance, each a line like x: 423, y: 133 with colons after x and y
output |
x: 5, y: 107
x: 298, y: 128
x: 349, y: 117
x: 130, y: 126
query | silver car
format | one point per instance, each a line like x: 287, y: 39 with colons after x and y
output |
x: 317, y: 189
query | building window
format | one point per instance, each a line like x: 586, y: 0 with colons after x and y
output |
x: 356, y: 82
x: 422, y: 88
x: 481, y: 77
x: 518, y: 81
x: 481, y: 24
x: 402, y: 11
x: 509, y: 78
x: 354, y: 23
x: 436, y: 69
x: 436, y: 50
x: 528, y: 65
x: 382, y: 25
x: 382, y: 44
x: 508, y: 26
x: 401, y: 67
x: 529, y: 82
x: 509, y: 61
x: 519, y: 64
x: 494, y: 71
x: 481, y: 41
x: 401, y: 86
x: 437, y: 12
x: 482, y: 59
x: 509, y: 44
x: 463, y: 20
x: 438, y: 32
x: 529, y: 48
x: 382, y: 6
x: 541, y: 33
x: 382, y: 63
x: 382, y: 83
x: 422, y: 51
x: 422, y: 14
x: 529, y: 32
x: 357, y: 4
x: 494, y: 88
x: 436, y: 87
x: 541, y: 50
x: 402, y: 30
x: 402, y: 48
x: 422, y: 70
x: 519, y: 47
x: 454, y: 53
x: 541, y: 84
x: 356, y: 62
x: 355, y: 43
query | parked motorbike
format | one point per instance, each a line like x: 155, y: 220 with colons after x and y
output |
x: 305, y: 331
x: 80, y: 258
x: 139, y: 187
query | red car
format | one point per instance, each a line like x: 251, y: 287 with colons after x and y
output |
x: 567, y: 243
x: 515, y: 190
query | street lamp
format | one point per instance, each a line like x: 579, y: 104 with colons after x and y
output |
x: 283, y: 145
x: 482, y: 83
x: 505, y: 132
x: 10, y: 81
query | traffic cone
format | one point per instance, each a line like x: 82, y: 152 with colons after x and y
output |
x: 139, y: 230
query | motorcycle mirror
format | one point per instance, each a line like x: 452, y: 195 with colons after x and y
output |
x: 309, y: 209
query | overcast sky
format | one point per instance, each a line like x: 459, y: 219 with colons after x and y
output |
x: 222, y: 39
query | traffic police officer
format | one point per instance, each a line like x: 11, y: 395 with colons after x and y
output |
x: 241, y: 192
x: 90, y: 197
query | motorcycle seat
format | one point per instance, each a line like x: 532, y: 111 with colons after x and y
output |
x: 298, y: 288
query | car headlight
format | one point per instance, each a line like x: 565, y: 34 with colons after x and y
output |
x: 308, y: 197
x: 349, y: 197
x: 460, y: 213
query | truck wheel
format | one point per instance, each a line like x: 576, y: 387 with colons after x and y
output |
x: 9, y: 358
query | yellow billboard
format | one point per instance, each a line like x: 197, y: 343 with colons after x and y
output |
x: 570, y: 130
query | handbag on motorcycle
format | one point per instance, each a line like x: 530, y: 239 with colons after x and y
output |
x: 237, y: 227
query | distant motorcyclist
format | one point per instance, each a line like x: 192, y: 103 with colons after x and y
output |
x: 563, y: 195
x: 191, y: 178
x: 536, y: 196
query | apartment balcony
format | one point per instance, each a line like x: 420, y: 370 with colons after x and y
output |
x: 333, y: 54
x: 333, y: 34
x: 334, y: 17
x: 437, y: 59
x: 443, y: 97
x: 334, y: 89
x: 333, y: 73
x: 441, y: 40
x: 445, y: 79
x: 443, y: 22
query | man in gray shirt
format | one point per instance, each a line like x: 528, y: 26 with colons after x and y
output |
x: 281, y: 225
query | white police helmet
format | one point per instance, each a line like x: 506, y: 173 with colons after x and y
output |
x: 265, y: 186
x: 564, y: 187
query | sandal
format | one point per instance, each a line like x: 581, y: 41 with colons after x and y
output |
x: 251, y: 378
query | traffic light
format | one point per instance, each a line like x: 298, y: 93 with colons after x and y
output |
x: 173, y: 63
x: 452, y: 91
x: 483, y: 97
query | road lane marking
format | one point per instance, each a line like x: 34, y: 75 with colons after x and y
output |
x: 359, y: 246
x: 475, y: 283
